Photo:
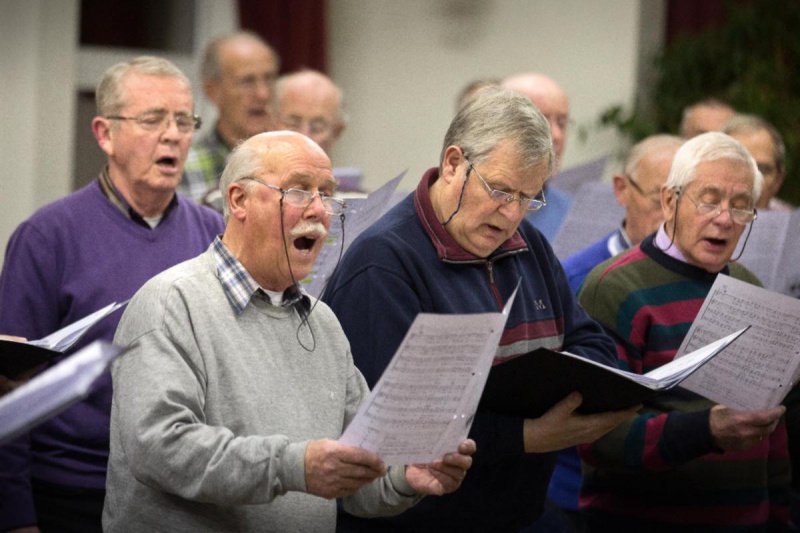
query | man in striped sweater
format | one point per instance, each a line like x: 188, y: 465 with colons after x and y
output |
x: 684, y: 464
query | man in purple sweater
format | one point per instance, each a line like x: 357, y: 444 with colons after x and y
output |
x: 76, y: 255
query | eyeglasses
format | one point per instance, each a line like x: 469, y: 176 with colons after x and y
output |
x: 562, y: 121
x: 654, y: 196
x: 502, y: 197
x: 251, y: 83
x: 159, y: 121
x: 315, y: 126
x: 739, y: 216
x: 767, y: 169
x: 301, y: 198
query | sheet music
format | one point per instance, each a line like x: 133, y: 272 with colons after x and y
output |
x: 570, y: 180
x: 360, y: 214
x: 424, y: 404
x: 594, y: 213
x: 54, y: 390
x: 759, y: 369
x: 66, y: 337
x: 771, y: 252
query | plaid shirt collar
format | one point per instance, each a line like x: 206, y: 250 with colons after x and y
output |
x: 240, y: 287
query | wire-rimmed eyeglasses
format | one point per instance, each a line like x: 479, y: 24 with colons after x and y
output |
x: 738, y: 216
x: 301, y: 198
x: 502, y: 197
x: 159, y: 121
x: 653, y: 196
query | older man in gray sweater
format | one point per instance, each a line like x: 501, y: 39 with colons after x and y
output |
x: 236, y: 384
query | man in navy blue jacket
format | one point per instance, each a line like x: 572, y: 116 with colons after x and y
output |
x: 460, y: 244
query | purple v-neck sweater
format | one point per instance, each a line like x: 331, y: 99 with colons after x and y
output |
x: 69, y: 259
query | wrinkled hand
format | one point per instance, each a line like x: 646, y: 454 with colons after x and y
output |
x: 740, y: 430
x: 561, y: 427
x: 444, y: 475
x: 334, y: 470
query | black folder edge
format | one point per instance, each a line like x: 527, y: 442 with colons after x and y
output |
x: 17, y: 357
x: 529, y: 385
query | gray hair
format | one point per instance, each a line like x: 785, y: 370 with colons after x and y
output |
x: 742, y: 123
x: 495, y: 115
x: 110, y: 99
x: 711, y: 146
x: 652, y: 144
x: 244, y: 161
x: 211, y: 69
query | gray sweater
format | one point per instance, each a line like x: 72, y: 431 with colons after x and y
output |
x: 212, y: 413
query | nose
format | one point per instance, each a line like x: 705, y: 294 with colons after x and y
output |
x: 557, y: 132
x: 315, y: 208
x: 171, y: 131
x: 727, y: 220
x: 512, y: 209
x: 263, y: 90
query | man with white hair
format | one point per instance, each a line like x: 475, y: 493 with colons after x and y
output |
x: 684, y: 463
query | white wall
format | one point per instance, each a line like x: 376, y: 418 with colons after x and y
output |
x: 38, y: 39
x: 401, y: 65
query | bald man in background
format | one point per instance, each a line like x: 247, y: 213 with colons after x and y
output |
x: 552, y: 101
x: 703, y: 116
x: 309, y: 102
x: 239, y: 72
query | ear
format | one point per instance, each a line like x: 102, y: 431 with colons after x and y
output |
x: 453, y: 157
x: 620, y: 184
x: 211, y: 88
x: 669, y: 203
x: 236, y: 196
x: 338, y: 128
x: 778, y: 181
x: 101, y: 129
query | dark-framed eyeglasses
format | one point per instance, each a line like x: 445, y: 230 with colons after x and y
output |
x: 502, y: 197
x: 159, y: 121
x: 301, y: 198
x: 653, y: 196
x: 712, y: 211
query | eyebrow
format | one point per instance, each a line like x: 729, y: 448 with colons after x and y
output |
x: 715, y: 190
x: 304, y: 179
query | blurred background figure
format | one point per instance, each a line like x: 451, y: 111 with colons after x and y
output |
x: 552, y: 101
x: 704, y: 116
x: 766, y: 145
x: 309, y: 102
x: 239, y: 72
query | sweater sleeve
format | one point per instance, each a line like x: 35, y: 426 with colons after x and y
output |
x: 29, y: 307
x: 161, y: 428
